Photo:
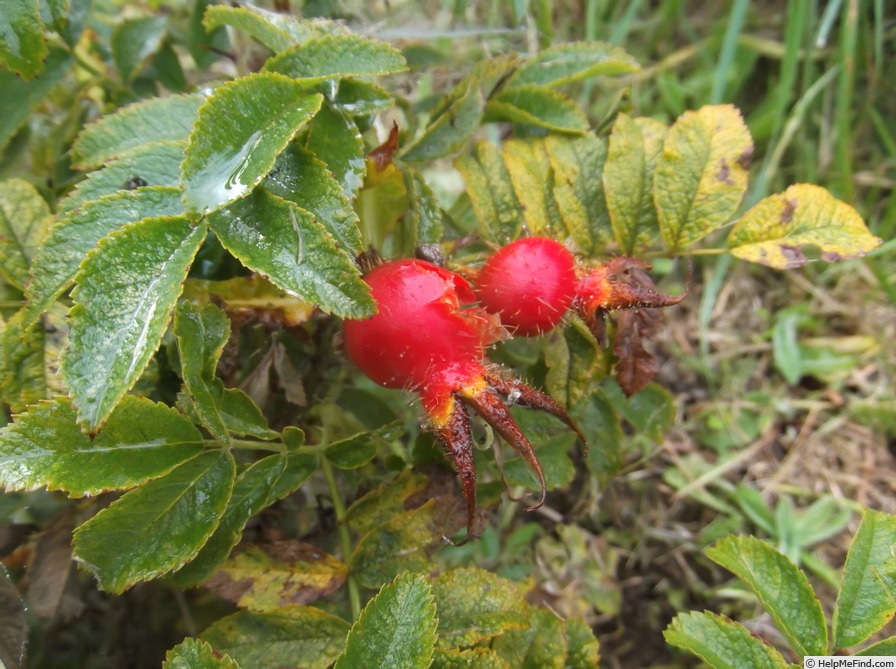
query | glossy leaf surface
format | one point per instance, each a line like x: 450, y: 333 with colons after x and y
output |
x: 287, y: 245
x: 73, y: 236
x: 159, y: 526
x: 292, y: 636
x: 127, y: 289
x: 46, y: 447
x: 152, y: 120
x: 702, y: 173
x: 240, y: 132
x: 397, y: 628
x: 333, y: 137
x: 773, y: 232
x: 256, y: 488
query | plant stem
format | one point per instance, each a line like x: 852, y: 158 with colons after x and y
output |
x: 345, y: 539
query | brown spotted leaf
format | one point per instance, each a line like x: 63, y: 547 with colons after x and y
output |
x: 775, y: 230
x: 263, y: 578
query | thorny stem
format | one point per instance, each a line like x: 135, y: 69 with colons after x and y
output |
x: 353, y: 594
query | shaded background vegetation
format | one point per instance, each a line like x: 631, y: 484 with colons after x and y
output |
x: 783, y: 382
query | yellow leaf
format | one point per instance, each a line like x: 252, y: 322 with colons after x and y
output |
x: 773, y: 232
x: 702, y: 173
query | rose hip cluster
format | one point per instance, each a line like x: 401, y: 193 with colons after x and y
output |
x: 432, y: 328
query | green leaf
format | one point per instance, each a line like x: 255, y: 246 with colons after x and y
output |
x: 13, y: 624
x: 266, y: 577
x: 397, y: 628
x: 201, y: 332
x: 46, y: 447
x: 292, y: 636
x: 24, y: 362
x: 575, y: 362
x: 584, y: 648
x: 542, y: 644
x: 359, y: 97
x: 424, y: 213
x: 781, y: 587
x: 449, y: 131
x: 773, y: 232
x: 153, y: 120
x: 197, y: 654
x: 476, y: 605
x: 276, y: 31
x: 337, y: 56
x: 571, y: 62
x: 126, y: 290
x: 159, y: 526
x: 474, y: 658
x: 651, y: 411
x: 240, y: 132
x: 866, y: 600
x: 152, y: 165
x: 497, y: 208
x: 635, y: 148
x: 249, y: 21
x: 135, y: 41
x: 256, y: 488
x: 529, y: 166
x: 54, y: 13
x: 286, y: 244
x: 22, y: 46
x: 399, y: 544
x: 24, y: 218
x: 303, y: 179
x: 20, y: 96
x: 721, y: 643
x: 598, y: 420
x: 539, y: 106
x: 333, y: 137
x: 578, y: 164
x: 73, y: 236
x: 702, y: 173
x: 553, y: 455
x: 887, y: 648
x: 360, y: 449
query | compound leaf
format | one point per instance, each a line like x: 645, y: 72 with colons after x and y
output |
x: 290, y: 637
x: 449, y: 131
x: 249, y: 21
x: 334, y: 138
x: 397, y: 628
x: 126, y: 290
x: 159, y: 526
x: 287, y: 244
x: 24, y: 218
x: 773, y: 232
x: 539, y: 106
x: 721, y: 643
x: 256, y: 488
x: 73, y: 236
x: 867, y: 597
x: 240, y: 132
x: 781, y: 587
x: 702, y: 173
x: 152, y: 120
x: 46, y: 447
